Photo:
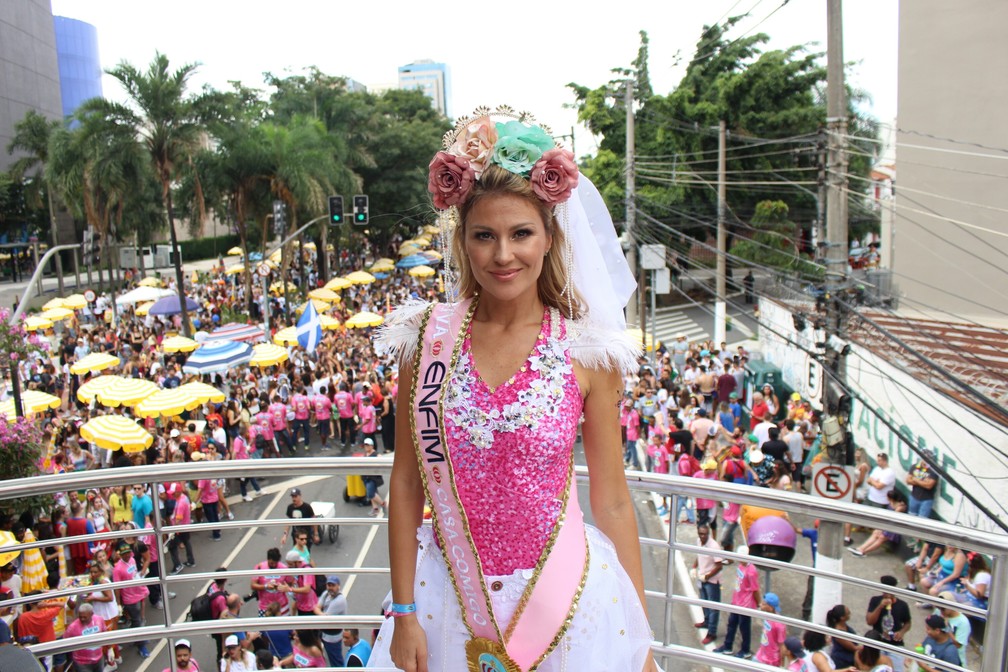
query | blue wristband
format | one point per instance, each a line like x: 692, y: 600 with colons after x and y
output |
x: 403, y: 608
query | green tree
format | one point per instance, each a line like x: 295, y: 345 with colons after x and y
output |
x: 31, y: 137
x: 774, y: 241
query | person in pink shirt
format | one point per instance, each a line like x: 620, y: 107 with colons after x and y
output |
x: 209, y: 497
x: 747, y: 594
x: 344, y: 402
x: 272, y: 588
x: 302, y: 406
x: 630, y: 419
x: 367, y: 423
x: 323, y: 414
x: 86, y: 659
x: 131, y: 599
x: 303, y: 590
x: 706, y: 509
x: 184, y: 662
x: 278, y: 422
x: 240, y: 451
x: 264, y: 428
x: 182, y: 515
x: 771, y: 650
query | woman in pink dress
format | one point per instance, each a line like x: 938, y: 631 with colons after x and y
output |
x: 494, y: 390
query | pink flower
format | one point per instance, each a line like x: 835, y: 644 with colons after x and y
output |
x: 450, y: 179
x: 14, y: 356
x: 476, y: 142
x: 554, y: 176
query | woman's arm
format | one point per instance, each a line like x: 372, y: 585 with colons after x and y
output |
x: 611, y: 505
x: 406, y: 500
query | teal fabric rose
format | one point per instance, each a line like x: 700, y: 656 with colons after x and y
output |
x: 519, y: 146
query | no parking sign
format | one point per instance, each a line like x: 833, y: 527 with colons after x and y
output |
x: 833, y: 481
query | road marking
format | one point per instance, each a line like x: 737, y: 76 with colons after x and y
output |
x: 359, y: 562
x: 280, y: 491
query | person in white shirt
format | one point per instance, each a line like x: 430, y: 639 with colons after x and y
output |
x: 881, y: 481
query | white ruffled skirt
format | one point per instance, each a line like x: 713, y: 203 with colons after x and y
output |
x: 609, y: 632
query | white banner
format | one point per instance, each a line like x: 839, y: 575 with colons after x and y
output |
x: 799, y: 370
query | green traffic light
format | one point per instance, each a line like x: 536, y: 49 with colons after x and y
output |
x: 360, y: 217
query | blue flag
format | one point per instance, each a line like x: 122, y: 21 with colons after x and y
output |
x: 309, y: 328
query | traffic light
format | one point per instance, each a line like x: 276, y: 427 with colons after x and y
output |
x: 335, y: 211
x: 279, y: 217
x: 360, y: 210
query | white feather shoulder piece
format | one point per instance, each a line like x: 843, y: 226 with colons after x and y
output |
x: 401, y: 331
x: 597, y: 347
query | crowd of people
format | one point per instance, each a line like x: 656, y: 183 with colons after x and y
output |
x: 339, y: 397
x: 687, y: 414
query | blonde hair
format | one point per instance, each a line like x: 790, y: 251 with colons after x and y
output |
x: 552, y: 285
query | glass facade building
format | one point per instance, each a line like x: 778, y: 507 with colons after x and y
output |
x: 80, y: 70
x: 431, y: 78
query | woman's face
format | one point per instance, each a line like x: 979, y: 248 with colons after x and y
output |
x: 505, y: 242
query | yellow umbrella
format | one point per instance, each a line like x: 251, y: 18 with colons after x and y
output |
x: 166, y: 403
x: 310, y: 245
x: 422, y: 241
x: 365, y: 319
x: 89, y: 390
x: 115, y: 432
x: 422, y: 271
x: 179, y: 344
x: 96, y: 361
x: 268, y: 354
x: 144, y: 308
x: 8, y: 541
x: 360, y: 278
x: 431, y: 230
x: 381, y: 267
x: 336, y: 284
x: 126, y: 392
x: 236, y: 252
x: 407, y: 250
x: 329, y: 323
x: 405, y: 244
x: 320, y: 306
x: 276, y: 256
x: 57, y: 314
x: 234, y: 270
x: 54, y: 303
x: 32, y: 401
x: 323, y: 294
x: 36, y: 322
x: 638, y: 337
x: 384, y: 260
x: 286, y: 336
x: 202, y: 392
x: 277, y: 287
x: 150, y: 282
x: 75, y: 301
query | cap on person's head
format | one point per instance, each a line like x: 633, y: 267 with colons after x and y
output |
x: 742, y: 550
x: 332, y: 578
x: 232, y: 640
x: 681, y: 336
x: 702, y: 412
x: 889, y: 580
x: 368, y: 442
x: 882, y: 456
x: 753, y: 438
x: 197, y: 456
x: 709, y: 464
x: 295, y: 492
x: 174, y: 433
x: 773, y: 600
x: 756, y: 456
x: 794, y: 646
x: 795, y: 396
x: 947, y: 595
x: 124, y: 548
x: 293, y: 556
x: 183, y: 642
x: 733, y: 395
x: 736, y: 451
x: 936, y: 622
x: 712, y: 431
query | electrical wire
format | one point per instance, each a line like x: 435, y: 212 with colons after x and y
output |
x: 944, y: 150
x: 932, y: 194
x: 721, y: 48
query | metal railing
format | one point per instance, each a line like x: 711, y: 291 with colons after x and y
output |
x: 994, y: 546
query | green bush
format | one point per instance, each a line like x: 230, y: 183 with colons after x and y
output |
x: 206, y: 248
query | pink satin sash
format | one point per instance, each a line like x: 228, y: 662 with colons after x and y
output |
x: 554, y: 589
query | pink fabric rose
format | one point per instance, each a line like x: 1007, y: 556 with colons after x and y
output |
x: 554, y: 175
x: 476, y: 142
x: 450, y: 179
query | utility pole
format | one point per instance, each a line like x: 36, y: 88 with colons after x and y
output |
x: 631, y: 189
x: 827, y: 592
x: 722, y: 238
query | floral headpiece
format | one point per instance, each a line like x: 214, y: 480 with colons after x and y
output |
x: 519, y: 146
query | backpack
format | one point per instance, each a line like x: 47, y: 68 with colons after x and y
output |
x: 201, y: 607
x: 260, y: 442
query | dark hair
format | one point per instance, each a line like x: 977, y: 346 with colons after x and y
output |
x: 273, y: 554
x: 869, y: 655
x: 813, y: 640
x: 835, y: 615
x: 264, y: 659
x: 308, y: 637
x: 773, y: 433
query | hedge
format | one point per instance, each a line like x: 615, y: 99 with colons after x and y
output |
x: 206, y: 248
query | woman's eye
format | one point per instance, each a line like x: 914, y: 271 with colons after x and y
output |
x: 522, y: 233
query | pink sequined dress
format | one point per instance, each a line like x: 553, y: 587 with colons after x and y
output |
x: 510, y: 450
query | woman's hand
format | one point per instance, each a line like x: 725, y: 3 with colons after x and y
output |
x: 409, y: 645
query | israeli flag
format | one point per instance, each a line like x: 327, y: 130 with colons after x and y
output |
x: 309, y: 328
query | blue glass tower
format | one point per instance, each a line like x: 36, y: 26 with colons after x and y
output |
x: 80, y: 70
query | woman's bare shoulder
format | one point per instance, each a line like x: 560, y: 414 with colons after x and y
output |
x: 401, y: 331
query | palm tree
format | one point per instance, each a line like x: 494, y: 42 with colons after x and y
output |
x: 170, y: 128
x: 31, y: 136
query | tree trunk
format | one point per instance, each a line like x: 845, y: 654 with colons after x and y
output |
x: 322, y: 254
x: 179, y: 279
x: 55, y: 242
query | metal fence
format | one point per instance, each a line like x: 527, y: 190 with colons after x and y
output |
x: 669, y: 651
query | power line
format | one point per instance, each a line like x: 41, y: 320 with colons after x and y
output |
x: 943, y: 150
x: 903, y: 189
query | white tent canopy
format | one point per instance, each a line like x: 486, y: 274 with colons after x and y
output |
x: 141, y: 294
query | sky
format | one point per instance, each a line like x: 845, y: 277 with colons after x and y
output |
x: 523, y: 55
